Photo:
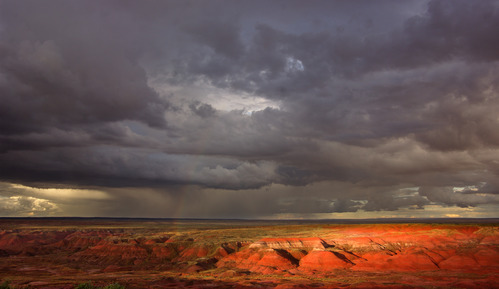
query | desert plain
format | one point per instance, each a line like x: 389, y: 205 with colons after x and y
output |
x: 153, y: 253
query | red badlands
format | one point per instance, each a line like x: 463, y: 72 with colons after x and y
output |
x: 161, y: 254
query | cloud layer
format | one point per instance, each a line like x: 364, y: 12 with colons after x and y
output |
x: 250, y: 108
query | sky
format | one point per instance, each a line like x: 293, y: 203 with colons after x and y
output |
x: 249, y: 109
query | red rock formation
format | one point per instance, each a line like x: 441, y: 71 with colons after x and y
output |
x: 29, y: 243
x: 354, y: 249
x: 410, y: 262
x: 324, y: 261
x: 297, y: 254
x: 192, y: 253
x: 221, y: 252
x: 13, y: 242
x: 120, y: 254
x: 82, y: 240
x: 162, y: 252
x: 259, y: 260
x: 277, y: 259
x: 154, y: 241
x: 459, y: 262
x: 487, y: 257
x: 288, y: 243
x: 490, y: 240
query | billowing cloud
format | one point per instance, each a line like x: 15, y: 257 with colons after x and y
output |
x: 249, y: 108
x: 26, y: 206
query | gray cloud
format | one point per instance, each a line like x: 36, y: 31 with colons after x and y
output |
x: 449, y: 197
x: 257, y: 108
x: 61, y: 68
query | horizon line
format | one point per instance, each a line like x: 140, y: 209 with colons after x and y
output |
x: 374, y: 220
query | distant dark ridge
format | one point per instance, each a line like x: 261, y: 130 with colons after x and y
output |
x: 270, y: 221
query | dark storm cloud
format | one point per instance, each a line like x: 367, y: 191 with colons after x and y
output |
x: 447, y: 30
x: 62, y: 67
x: 111, y: 166
x: 366, y: 103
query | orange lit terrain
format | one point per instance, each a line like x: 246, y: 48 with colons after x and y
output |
x: 61, y: 253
